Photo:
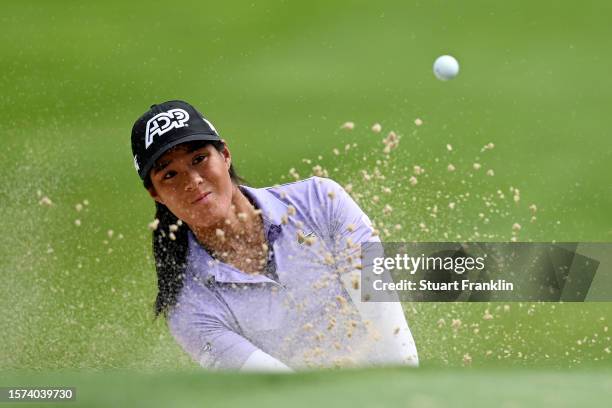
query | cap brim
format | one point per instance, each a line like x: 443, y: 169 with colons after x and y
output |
x: 189, y: 138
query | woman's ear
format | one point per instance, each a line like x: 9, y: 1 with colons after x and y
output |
x: 154, y: 195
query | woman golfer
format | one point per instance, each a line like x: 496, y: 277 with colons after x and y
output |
x: 257, y: 278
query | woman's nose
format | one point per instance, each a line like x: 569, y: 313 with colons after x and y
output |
x: 194, y: 179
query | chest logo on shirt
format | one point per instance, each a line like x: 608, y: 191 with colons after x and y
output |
x: 163, y: 122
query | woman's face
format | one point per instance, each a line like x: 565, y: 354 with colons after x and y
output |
x: 195, y: 185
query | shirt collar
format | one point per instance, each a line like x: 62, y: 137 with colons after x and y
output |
x: 272, y: 208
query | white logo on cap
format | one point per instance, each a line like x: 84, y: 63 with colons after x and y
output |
x: 210, y: 125
x: 164, y: 122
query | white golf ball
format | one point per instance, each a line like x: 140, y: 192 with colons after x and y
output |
x: 445, y: 67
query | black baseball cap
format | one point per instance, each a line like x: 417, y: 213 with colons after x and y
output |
x: 164, y: 126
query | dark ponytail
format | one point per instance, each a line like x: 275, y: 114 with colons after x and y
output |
x: 170, y: 258
x: 171, y: 254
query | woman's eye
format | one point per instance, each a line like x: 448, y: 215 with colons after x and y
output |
x: 169, y: 175
x: 199, y: 158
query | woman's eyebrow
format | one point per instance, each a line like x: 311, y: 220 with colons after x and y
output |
x: 159, y: 167
x: 195, y: 149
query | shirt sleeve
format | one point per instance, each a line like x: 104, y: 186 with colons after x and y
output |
x: 345, y: 225
x: 350, y: 227
x: 259, y: 361
x: 343, y: 219
x: 210, y: 341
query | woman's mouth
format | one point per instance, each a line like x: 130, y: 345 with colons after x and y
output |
x: 201, y: 198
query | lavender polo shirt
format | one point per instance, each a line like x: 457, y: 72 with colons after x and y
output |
x: 300, y: 313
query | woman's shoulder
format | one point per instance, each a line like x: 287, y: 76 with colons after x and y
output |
x: 314, y: 201
x: 313, y: 187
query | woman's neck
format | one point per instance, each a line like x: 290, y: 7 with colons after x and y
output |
x: 241, y: 232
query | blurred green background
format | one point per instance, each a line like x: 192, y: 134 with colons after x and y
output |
x: 278, y: 79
